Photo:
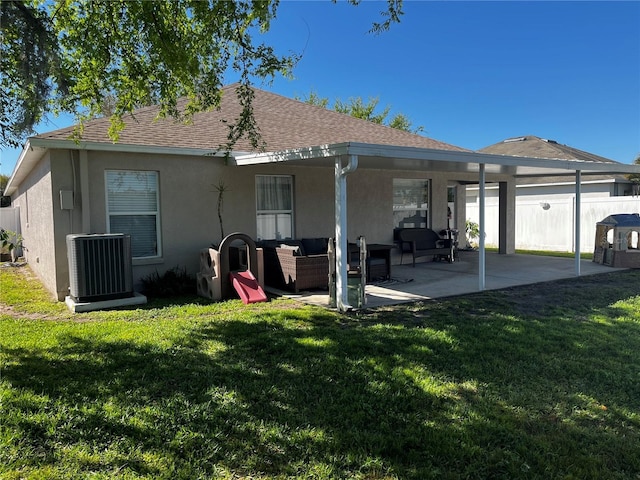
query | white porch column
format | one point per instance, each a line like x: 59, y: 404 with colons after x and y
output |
x: 342, y: 297
x: 577, y: 220
x: 481, y: 225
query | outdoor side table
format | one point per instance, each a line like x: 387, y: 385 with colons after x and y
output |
x: 378, y: 261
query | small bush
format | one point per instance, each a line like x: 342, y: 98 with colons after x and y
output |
x: 9, y: 240
x: 171, y: 283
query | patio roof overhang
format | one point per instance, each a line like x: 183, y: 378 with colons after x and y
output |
x: 389, y: 157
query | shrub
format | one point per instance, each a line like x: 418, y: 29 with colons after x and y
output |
x: 10, y: 243
x: 473, y: 231
x: 10, y: 240
x: 171, y: 283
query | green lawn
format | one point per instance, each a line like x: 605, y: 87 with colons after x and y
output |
x: 537, y: 382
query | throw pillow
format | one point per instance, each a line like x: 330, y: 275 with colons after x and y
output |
x: 295, y: 249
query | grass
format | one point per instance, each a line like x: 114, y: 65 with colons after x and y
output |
x: 537, y: 382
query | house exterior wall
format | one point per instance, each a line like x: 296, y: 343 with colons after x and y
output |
x: 34, y: 198
x: 188, y: 205
x: 64, y: 169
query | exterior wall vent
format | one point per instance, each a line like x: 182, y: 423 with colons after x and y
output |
x: 99, y: 267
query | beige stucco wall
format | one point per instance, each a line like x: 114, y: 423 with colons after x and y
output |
x: 64, y: 176
x: 188, y: 205
x: 188, y: 202
x: 36, y: 222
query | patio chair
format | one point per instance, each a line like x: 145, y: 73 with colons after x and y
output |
x: 303, y: 272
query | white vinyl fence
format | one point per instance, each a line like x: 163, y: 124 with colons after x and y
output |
x: 550, y: 225
x: 10, y: 218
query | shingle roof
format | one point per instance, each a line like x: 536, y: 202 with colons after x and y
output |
x: 283, y: 123
x: 536, y: 147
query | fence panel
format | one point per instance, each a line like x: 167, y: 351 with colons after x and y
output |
x: 10, y: 218
x: 550, y: 225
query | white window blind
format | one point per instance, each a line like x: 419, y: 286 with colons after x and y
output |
x: 132, y: 207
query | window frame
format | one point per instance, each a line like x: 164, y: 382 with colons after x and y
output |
x: 155, y: 213
x: 290, y: 212
x: 396, y: 208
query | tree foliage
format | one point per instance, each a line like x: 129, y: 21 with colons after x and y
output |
x: 366, y: 111
x: 4, y: 201
x: 635, y: 177
x: 356, y: 107
x: 29, y: 67
x: 75, y: 55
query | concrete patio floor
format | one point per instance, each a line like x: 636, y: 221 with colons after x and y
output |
x: 430, y: 280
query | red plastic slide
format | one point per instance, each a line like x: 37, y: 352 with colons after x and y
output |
x: 247, y: 287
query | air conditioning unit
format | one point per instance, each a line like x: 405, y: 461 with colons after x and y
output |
x: 99, y: 267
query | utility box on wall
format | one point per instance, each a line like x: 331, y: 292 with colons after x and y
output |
x: 66, y: 200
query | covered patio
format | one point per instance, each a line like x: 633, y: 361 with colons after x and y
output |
x: 479, y: 271
x: 433, y: 280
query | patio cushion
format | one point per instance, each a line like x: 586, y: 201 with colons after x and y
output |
x: 315, y: 246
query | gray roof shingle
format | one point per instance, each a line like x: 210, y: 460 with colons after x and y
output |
x: 536, y: 147
x: 283, y: 124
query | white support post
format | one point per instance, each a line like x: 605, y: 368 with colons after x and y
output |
x: 577, y: 220
x: 481, y: 255
x: 342, y: 294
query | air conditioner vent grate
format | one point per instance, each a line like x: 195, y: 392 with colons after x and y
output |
x: 99, y: 267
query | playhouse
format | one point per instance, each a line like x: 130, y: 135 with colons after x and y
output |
x: 617, y: 241
x: 218, y: 278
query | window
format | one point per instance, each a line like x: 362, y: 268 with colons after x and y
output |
x: 133, y: 208
x: 274, y: 206
x: 410, y: 203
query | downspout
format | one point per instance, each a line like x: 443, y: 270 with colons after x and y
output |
x: 481, y: 254
x: 342, y: 297
x: 577, y: 221
x: 85, y: 208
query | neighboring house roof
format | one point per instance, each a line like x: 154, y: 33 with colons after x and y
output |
x: 536, y: 147
x: 283, y: 123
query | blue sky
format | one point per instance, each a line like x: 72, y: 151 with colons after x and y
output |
x: 472, y: 73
